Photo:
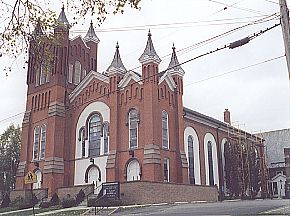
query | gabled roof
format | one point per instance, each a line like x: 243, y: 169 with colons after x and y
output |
x: 149, y: 54
x: 83, y: 84
x: 62, y: 18
x: 91, y: 35
x: 130, y: 75
x: 174, y: 68
x: 117, y: 65
x: 278, y: 177
x: 168, y: 78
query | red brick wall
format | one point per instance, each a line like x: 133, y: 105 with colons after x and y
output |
x: 144, y: 192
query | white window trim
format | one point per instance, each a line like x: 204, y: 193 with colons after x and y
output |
x: 167, y: 124
x: 129, y: 124
x: 40, y: 141
x: 168, y: 169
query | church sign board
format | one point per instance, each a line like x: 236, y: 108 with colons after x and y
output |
x: 111, y: 190
x: 30, y: 178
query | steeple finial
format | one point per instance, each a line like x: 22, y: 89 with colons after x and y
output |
x: 91, y: 34
x: 117, y: 65
x: 62, y: 18
x: 149, y: 54
x: 174, y: 66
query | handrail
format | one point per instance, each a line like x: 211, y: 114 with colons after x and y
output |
x: 94, y: 191
x: 88, y: 187
x: 42, y: 191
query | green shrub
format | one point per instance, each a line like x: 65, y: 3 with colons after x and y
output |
x: 6, y: 201
x: 80, y: 196
x: 54, y: 200
x: 69, y: 202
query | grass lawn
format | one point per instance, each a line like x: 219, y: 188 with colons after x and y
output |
x: 7, y: 209
x: 69, y: 212
x: 29, y: 211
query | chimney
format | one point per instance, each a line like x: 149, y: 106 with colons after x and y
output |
x: 227, y: 116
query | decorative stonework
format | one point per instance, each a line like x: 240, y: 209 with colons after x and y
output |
x: 26, y: 118
x: 152, y: 154
x: 56, y: 109
x: 21, y: 169
x: 111, y: 161
x: 53, y: 165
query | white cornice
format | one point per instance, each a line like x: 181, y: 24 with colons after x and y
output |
x: 91, y: 75
x: 79, y: 36
x: 130, y: 75
x: 168, y: 78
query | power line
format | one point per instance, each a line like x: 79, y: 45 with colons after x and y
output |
x: 233, y: 71
x: 255, y: 35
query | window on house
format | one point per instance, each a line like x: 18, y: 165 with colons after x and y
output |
x: 35, y: 143
x: 166, y: 169
x: 95, y: 135
x: 43, y: 142
x: 70, y: 73
x: 165, y: 143
x: 191, y: 160
x: 133, y: 128
x: 210, y: 163
x: 106, y: 137
x: 275, y: 188
x: 78, y: 70
x: 83, y: 142
x: 37, y: 75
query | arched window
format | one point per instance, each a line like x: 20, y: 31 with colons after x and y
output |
x: 43, y: 142
x: 95, y: 135
x: 35, y: 143
x: 166, y: 169
x: 83, y: 141
x: 165, y: 143
x: 210, y: 163
x: 70, y: 73
x: 78, y: 71
x: 133, y: 128
x: 106, y: 137
x: 133, y: 170
x: 190, y: 160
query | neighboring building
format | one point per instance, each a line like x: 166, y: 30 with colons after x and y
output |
x: 82, y: 126
x: 276, y: 142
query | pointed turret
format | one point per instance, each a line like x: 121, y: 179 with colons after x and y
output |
x: 117, y: 65
x: 62, y: 20
x: 174, y: 67
x: 149, y: 54
x: 38, y: 29
x: 91, y: 35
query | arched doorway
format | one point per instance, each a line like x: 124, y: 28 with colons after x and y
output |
x: 133, y: 170
x: 94, y: 177
x: 37, y: 185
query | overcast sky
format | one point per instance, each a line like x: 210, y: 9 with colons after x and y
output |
x: 257, y: 96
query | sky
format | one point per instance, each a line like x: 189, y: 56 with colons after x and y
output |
x: 251, y: 81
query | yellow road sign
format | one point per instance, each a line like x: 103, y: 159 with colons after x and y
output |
x: 30, y: 178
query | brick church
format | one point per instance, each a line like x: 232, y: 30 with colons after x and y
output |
x: 82, y: 126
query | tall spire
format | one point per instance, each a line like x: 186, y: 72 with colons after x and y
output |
x: 149, y: 54
x: 174, y: 66
x: 91, y: 34
x: 117, y: 65
x: 62, y: 18
x: 38, y: 29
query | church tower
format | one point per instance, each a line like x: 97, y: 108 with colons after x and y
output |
x: 43, y: 134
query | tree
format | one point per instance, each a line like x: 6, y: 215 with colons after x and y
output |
x: 9, y: 157
x: 19, y: 18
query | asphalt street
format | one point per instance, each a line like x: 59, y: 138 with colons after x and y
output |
x: 249, y: 207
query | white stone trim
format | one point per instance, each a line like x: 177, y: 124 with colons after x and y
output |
x: 168, y: 78
x: 189, y: 131
x: 210, y: 137
x: 92, y: 75
x: 79, y: 36
x: 130, y: 75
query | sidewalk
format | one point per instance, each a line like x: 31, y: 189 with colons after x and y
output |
x: 65, y: 209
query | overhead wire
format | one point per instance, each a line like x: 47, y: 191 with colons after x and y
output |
x: 253, y: 36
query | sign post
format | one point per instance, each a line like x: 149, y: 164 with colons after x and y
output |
x: 31, y: 178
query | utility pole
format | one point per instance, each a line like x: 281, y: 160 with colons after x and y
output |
x: 284, y: 16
